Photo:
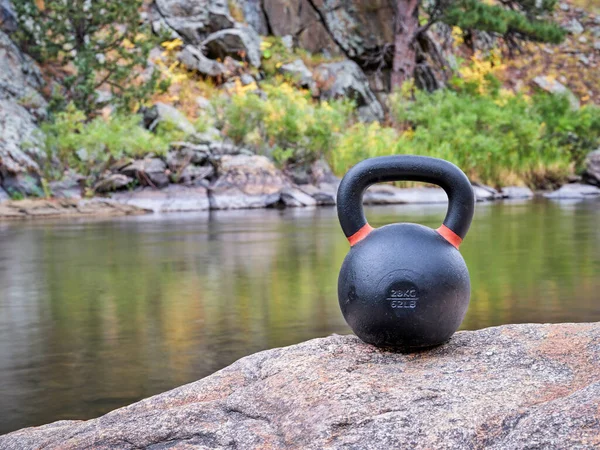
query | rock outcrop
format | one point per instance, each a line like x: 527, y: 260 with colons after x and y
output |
x: 515, y: 386
x: 345, y: 79
x: 21, y: 106
x: 65, y: 208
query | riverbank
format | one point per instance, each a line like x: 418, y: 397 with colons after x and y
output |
x: 511, y: 386
x: 238, y: 181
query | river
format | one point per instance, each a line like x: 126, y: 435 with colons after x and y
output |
x: 96, y: 314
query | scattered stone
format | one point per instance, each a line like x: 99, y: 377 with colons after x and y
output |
x: 554, y: 87
x: 173, y: 198
x: 193, y: 59
x: 41, y: 208
x: 298, y: 71
x: 592, y: 168
x: 597, y: 45
x: 516, y: 192
x: 509, y: 387
x: 564, y: 6
x: 582, y: 39
x: 294, y: 197
x: 113, y: 182
x: 240, y: 43
x: 148, y: 171
x: 583, y: 59
x: 574, y: 191
x: 162, y: 112
x: 195, y: 19
x: 574, y: 27
x: 346, y: 79
x: 246, y: 182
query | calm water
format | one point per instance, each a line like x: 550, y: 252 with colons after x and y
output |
x: 98, y: 314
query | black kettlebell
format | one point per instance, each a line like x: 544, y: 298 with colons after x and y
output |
x: 404, y: 285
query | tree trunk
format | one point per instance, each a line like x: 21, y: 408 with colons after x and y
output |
x: 405, y: 29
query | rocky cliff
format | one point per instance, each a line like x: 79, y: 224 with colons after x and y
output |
x: 515, y: 386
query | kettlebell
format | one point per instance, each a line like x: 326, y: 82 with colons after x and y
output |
x: 404, y: 285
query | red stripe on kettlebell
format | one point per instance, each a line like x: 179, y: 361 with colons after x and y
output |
x: 450, y: 235
x: 360, y: 234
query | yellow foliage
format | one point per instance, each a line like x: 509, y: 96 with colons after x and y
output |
x: 172, y: 45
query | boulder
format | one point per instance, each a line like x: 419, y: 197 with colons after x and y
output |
x: 185, y: 153
x: 148, y: 171
x: 171, y: 199
x: 592, y: 168
x: 245, y: 181
x: 509, y: 387
x: 553, y: 86
x: 193, y: 59
x: 323, y: 197
x: 485, y: 193
x: 346, y: 79
x: 298, y: 71
x: 195, y: 19
x: 294, y: 197
x: 241, y: 43
x: 194, y: 175
x: 164, y: 113
x: 68, y: 187
x: 516, y: 192
x: 574, y: 191
x: 113, y: 182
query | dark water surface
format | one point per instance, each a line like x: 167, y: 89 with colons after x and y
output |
x: 98, y: 314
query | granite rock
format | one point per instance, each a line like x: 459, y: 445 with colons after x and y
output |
x: 515, y: 386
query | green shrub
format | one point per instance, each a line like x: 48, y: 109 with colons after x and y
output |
x: 497, y: 139
x: 286, y: 123
x: 88, y: 146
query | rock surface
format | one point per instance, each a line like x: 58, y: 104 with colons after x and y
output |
x: 195, y: 19
x: 171, y: 199
x: 241, y: 43
x: 510, y: 387
x: 65, y: 208
x: 21, y: 106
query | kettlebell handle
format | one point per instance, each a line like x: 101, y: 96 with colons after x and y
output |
x: 461, y: 199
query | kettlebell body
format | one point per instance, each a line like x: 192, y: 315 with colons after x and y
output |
x: 404, y: 285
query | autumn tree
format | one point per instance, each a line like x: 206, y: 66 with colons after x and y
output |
x: 93, y: 44
x: 513, y: 20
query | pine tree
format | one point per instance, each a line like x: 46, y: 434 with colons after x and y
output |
x: 514, y: 20
x: 93, y: 44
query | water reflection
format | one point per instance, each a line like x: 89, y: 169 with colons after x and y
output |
x: 98, y: 314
